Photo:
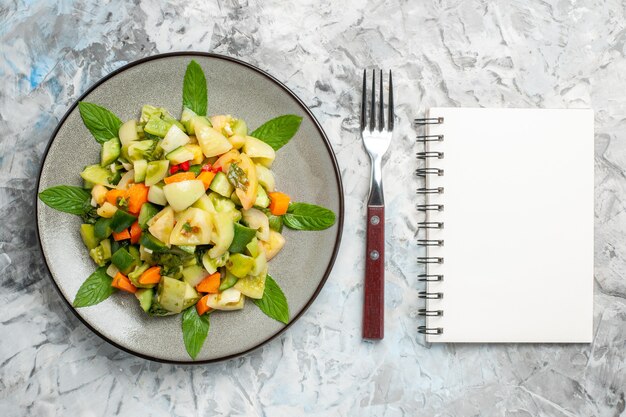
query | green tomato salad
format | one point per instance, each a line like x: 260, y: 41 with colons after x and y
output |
x: 184, y: 213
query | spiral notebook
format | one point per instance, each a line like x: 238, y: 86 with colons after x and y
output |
x: 506, y: 218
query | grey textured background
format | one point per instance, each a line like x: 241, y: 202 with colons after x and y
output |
x: 454, y: 53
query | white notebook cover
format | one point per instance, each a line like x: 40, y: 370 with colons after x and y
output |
x: 518, y: 225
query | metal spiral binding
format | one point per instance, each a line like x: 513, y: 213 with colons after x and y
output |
x: 428, y: 155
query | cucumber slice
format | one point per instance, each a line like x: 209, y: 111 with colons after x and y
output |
x: 243, y: 235
x: 174, y: 138
x: 123, y: 260
x: 185, y: 119
x: 145, y: 296
x: 253, y: 247
x: 211, y: 264
x: 141, y: 166
x: 221, y: 185
x: 142, y: 149
x: 179, y: 155
x: 197, y: 122
x: 110, y: 152
x: 181, y: 195
x: 240, y: 265
x: 156, y: 171
x: 128, y: 132
x: 87, y: 232
x: 262, y: 199
x: 228, y: 281
x: 157, y: 126
x: 152, y: 243
x: 121, y: 220
x: 171, y: 294
x: 156, y: 195
x: 191, y: 296
x: 95, y: 174
x: 193, y: 275
x: 102, y: 228
x: 147, y: 212
x: 191, y: 249
x: 106, y: 249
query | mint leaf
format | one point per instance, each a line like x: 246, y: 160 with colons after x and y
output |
x: 277, y: 132
x: 273, y: 303
x: 194, y: 89
x: 96, y: 288
x: 67, y: 198
x: 102, y: 124
x: 303, y: 216
x: 195, y: 330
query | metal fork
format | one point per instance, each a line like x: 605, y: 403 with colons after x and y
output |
x: 376, y: 138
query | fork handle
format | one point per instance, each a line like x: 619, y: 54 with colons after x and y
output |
x: 374, y: 306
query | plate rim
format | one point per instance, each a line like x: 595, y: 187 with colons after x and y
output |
x: 329, y: 149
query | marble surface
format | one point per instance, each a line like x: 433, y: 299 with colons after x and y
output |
x: 455, y: 53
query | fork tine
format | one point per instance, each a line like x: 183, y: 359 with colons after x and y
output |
x: 364, y: 102
x: 373, y: 106
x: 381, y: 120
x: 390, y: 104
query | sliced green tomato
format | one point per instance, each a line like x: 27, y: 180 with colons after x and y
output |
x: 97, y: 256
x: 147, y: 212
x: 247, y: 195
x: 257, y: 220
x: 123, y: 260
x: 179, y: 155
x: 221, y: 185
x: 194, y: 274
x: 112, y: 270
x: 211, y: 264
x: 252, y: 286
x: 191, y: 296
x: 128, y: 132
x: 211, y: 141
x: 204, y: 203
x: 161, y: 225
x: 171, y: 294
x: 140, y: 167
x: 265, y: 177
x: 273, y: 245
x: 150, y: 242
x: 260, y: 265
x: 121, y: 220
x: 174, y: 138
x: 239, y: 127
x: 222, y: 235
x: 102, y: 228
x: 230, y: 299
x: 256, y: 148
x: 110, y: 152
x: 240, y: 265
x: 228, y: 281
x: 192, y: 228
x: 96, y: 174
x: 262, y: 199
x: 88, y: 233
x: 156, y: 195
x: 145, y: 296
x: 242, y: 236
x: 156, y: 171
x: 183, y: 194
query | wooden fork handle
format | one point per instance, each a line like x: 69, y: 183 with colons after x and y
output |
x: 374, y: 305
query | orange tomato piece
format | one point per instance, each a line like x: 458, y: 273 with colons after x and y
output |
x: 279, y: 203
x: 181, y: 176
x: 121, y: 282
x: 210, y: 284
x: 137, y: 196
